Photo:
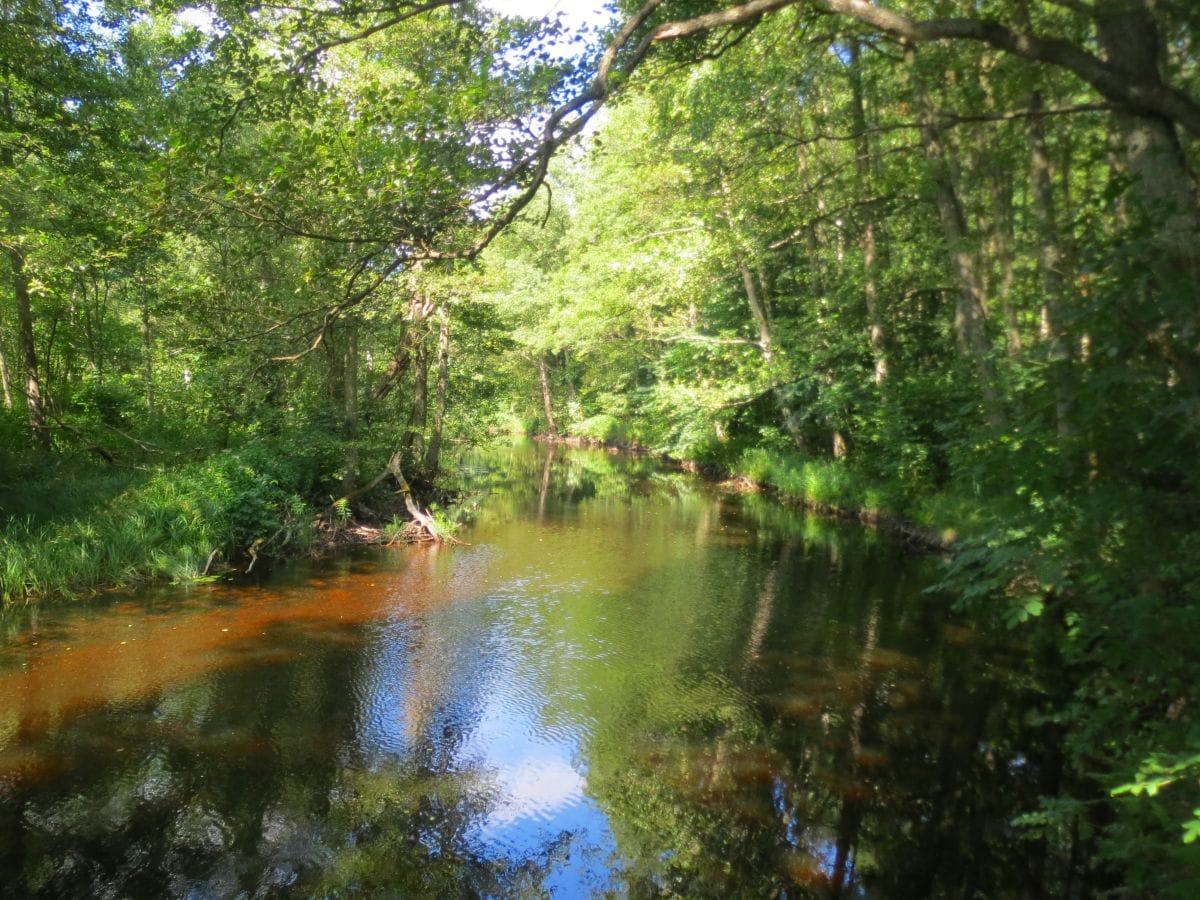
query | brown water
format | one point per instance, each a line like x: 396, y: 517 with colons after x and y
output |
x: 628, y: 683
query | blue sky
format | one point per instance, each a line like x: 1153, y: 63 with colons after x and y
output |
x: 576, y: 13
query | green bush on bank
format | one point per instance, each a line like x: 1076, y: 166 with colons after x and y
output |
x: 166, y: 525
x: 821, y: 482
x: 604, y: 428
x: 839, y: 486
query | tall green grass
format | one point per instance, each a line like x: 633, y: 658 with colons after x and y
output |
x: 167, y: 524
x: 603, y: 428
x: 836, y: 485
x: 820, y: 482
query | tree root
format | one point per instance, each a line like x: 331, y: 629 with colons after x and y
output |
x: 422, y: 528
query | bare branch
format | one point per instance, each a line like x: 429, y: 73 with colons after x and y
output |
x: 735, y: 15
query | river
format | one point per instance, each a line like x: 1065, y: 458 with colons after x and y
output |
x: 627, y: 681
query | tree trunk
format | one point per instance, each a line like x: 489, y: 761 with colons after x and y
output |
x: 335, y: 369
x: 572, y: 399
x: 766, y: 347
x: 758, y: 312
x: 34, y: 402
x: 350, y: 407
x: 1050, y: 261
x: 147, y: 354
x: 547, y: 398
x: 5, y: 377
x: 840, y: 448
x: 412, y: 332
x: 397, y: 365
x: 862, y: 150
x: 1000, y: 246
x: 433, y: 455
x: 1162, y: 191
x: 416, y: 432
x: 410, y: 350
x: 838, y: 444
x: 970, y: 313
x: 875, y: 330
x: 996, y: 272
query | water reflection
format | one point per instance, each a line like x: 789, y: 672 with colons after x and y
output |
x: 628, y: 682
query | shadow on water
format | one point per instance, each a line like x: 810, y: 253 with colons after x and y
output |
x: 629, y: 682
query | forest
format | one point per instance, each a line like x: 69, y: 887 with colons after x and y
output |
x: 929, y: 263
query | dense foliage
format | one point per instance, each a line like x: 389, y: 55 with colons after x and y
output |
x: 903, y: 259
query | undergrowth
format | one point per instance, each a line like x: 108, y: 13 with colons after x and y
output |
x: 168, y: 522
x: 836, y: 486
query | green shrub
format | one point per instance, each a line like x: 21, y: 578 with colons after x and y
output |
x: 818, y: 481
x: 604, y: 428
x: 166, y: 525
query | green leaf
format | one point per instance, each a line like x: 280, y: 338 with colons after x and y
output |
x: 1191, y: 829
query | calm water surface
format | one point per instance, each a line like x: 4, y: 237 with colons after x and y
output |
x: 629, y: 683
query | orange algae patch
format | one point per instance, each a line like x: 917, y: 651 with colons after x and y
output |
x: 123, y: 653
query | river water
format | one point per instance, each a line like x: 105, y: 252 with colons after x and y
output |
x: 628, y: 682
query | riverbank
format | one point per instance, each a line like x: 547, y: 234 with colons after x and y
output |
x: 614, y: 630
x: 91, y: 529
x: 825, y: 487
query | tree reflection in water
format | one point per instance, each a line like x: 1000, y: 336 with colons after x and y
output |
x: 629, y: 683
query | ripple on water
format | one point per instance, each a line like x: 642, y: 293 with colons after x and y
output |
x: 539, y: 788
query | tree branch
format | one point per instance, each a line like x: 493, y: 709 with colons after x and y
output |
x: 415, y: 9
x: 1147, y: 94
x: 942, y: 120
x: 351, y: 300
x: 735, y: 15
x: 560, y: 127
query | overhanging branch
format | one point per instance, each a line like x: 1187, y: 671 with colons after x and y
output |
x: 1146, y: 94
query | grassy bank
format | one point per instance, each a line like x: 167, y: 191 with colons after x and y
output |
x: 929, y: 519
x: 88, y: 529
x: 934, y: 519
